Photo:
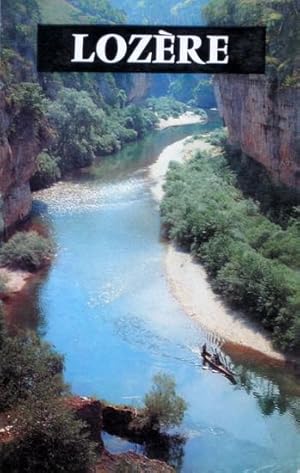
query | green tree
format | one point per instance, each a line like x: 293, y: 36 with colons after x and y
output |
x: 49, y: 440
x: 29, y: 370
x: 163, y: 407
x: 26, y: 250
x: 47, y: 171
x: 77, y: 120
x: 27, y: 106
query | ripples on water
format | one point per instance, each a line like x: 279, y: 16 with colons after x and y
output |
x: 71, y: 198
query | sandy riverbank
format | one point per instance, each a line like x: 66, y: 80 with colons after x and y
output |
x: 187, y: 118
x: 179, y: 151
x: 188, y: 280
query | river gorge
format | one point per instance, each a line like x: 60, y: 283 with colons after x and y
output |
x: 107, y: 306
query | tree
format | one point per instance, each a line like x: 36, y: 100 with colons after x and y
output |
x: 163, y: 407
x: 77, y: 120
x: 26, y: 250
x: 49, y: 439
x: 29, y: 370
x: 47, y: 172
x: 28, y: 98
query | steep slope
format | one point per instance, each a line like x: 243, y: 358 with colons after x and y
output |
x: 262, y: 112
x: 264, y: 123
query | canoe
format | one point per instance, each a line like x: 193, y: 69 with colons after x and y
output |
x: 208, y: 358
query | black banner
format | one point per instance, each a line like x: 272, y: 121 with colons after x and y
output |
x: 131, y: 48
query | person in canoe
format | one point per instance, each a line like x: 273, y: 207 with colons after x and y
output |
x: 216, y: 359
x: 204, y: 351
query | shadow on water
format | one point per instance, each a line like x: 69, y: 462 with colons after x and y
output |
x: 167, y: 448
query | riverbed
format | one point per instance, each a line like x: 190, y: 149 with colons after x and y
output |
x: 107, y: 306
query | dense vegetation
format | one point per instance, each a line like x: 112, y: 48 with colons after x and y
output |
x: 78, y: 116
x: 252, y: 261
x: 164, y: 107
x: 281, y: 17
x: 83, y: 130
x: 45, y: 434
x: 277, y: 201
x: 26, y: 250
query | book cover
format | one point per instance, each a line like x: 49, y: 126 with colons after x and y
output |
x: 149, y: 221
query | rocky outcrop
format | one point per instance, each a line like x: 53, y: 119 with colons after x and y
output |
x: 118, y: 420
x: 18, y: 153
x: 263, y: 121
x: 89, y: 411
x: 139, y: 87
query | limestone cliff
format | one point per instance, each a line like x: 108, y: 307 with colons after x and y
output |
x: 263, y: 121
x: 18, y: 153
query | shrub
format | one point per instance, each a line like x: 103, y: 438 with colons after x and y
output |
x: 257, y: 283
x: 218, y: 251
x: 47, y: 172
x: 217, y: 137
x: 28, y: 98
x: 166, y: 107
x: 29, y: 369
x: 163, y: 407
x: 50, y: 440
x: 26, y: 250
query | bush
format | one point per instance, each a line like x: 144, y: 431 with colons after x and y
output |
x: 165, y: 107
x: 217, y: 137
x: 28, y: 98
x: 26, y: 250
x: 50, y: 440
x: 47, y: 172
x: 163, y: 407
x: 257, y: 283
x: 29, y: 368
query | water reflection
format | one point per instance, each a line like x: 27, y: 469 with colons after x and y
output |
x: 274, y: 389
x: 168, y: 448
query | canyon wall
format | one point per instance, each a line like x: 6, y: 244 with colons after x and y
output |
x: 264, y: 122
x: 18, y: 151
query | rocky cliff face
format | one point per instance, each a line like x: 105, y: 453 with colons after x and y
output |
x: 263, y: 122
x: 139, y: 87
x: 17, y: 164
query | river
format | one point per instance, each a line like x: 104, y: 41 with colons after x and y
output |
x: 106, y: 305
